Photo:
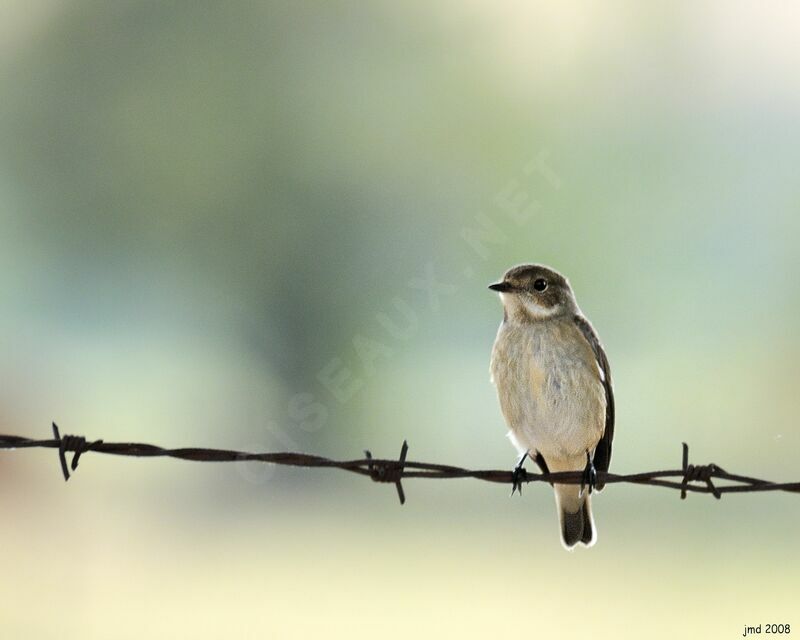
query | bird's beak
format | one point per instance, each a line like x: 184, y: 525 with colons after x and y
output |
x: 501, y: 287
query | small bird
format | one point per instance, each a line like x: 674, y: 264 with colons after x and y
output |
x: 554, y: 386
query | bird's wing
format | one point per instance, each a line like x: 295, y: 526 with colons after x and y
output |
x: 602, y: 453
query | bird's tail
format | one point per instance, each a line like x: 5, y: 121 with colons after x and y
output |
x: 575, y: 515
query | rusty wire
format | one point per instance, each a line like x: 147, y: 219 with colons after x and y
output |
x: 694, y: 478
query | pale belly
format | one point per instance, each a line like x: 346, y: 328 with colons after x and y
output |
x: 549, y: 388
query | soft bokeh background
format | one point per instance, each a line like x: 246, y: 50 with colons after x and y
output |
x: 218, y: 226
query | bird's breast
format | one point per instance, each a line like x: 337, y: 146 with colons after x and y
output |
x: 549, y: 387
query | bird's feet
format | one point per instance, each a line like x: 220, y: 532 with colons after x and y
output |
x: 589, y: 475
x: 519, y: 475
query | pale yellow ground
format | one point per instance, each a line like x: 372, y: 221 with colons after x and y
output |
x: 82, y: 564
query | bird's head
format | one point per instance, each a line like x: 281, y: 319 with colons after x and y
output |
x: 533, y: 292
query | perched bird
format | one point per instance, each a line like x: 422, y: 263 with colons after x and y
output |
x: 554, y: 386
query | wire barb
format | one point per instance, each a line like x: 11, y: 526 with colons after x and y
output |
x: 389, y: 470
x: 702, y: 473
x: 77, y: 444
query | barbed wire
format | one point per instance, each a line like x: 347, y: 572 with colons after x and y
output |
x: 689, y: 478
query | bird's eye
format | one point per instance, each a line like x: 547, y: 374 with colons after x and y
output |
x: 540, y: 284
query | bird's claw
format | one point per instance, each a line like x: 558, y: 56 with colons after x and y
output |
x: 589, y: 475
x: 519, y: 476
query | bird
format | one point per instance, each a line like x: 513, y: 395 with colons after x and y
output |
x: 554, y: 386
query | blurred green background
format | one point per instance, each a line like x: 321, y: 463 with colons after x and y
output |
x: 219, y: 226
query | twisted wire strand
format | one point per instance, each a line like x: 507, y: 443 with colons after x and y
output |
x: 689, y: 478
